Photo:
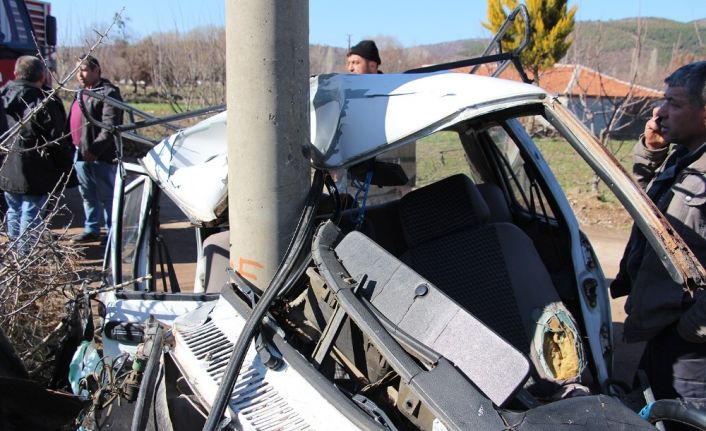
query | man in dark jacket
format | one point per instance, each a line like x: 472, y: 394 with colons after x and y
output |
x: 38, y: 158
x: 671, y: 320
x: 96, y: 150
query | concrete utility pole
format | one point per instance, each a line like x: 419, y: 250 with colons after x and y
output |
x: 267, y: 76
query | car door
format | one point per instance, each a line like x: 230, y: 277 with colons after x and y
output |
x: 129, y: 259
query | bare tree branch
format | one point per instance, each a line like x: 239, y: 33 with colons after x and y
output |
x: 39, y: 269
x: 615, y: 113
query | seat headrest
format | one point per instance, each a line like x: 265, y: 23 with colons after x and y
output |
x: 494, y: 197
x: 441, y: 208
x: 385, y: 174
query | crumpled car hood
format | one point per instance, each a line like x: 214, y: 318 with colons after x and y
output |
x: 191, y: 166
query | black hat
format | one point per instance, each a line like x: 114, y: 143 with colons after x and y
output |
x: 366, y: 49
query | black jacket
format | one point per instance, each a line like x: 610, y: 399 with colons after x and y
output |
x: 98, y: 141
x: 38, y: 157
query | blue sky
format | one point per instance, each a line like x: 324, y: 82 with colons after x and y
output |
x: 332, y: 22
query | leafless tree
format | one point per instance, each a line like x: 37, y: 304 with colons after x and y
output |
x: 607, y: 114
x: 188, y: 70
x: 326, y: 59
x: 680, y: 57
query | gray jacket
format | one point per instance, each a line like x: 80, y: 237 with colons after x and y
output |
x: 677, y: 183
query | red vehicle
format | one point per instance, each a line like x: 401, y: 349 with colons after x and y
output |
x: 21, y: 23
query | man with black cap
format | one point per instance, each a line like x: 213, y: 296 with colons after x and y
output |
x: 363, y: 58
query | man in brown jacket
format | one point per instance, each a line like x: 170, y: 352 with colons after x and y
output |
x: 672, y: 321
x: 95, y: 149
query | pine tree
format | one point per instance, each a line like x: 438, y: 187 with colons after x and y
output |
x: 551, y: 25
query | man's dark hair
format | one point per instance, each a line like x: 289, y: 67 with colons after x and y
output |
x: 692, y: 77
x: 90, y: 60
x: 29, y: 68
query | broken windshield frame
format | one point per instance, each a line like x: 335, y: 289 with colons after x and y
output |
x: 677, y: 258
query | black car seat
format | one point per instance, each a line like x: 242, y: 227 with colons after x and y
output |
x: 494, y: 272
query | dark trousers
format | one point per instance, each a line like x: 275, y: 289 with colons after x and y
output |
x: 676, y: 369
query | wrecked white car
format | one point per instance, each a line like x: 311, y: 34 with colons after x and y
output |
x: 472, y: 302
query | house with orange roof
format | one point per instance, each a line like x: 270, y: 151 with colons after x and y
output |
x: 595, y: 98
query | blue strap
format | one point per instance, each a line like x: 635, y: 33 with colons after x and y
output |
x: 645, y: 412
x: 362, y: 188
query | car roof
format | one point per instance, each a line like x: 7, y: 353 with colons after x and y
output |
x: 355, y: 117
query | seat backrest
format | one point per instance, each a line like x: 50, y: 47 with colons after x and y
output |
x: 423, y: 311
x: 381, y: 223
x: 491, y: 269
x: 439, y: 209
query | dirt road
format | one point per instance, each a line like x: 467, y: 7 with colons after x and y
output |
x: 176, y: 230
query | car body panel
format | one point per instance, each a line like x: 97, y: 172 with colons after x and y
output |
x: 356, y: 117
x: 595, y: 312
x: 263, y: 398
x: 353, y: 117
x: 191, y: 167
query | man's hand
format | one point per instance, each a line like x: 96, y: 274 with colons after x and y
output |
x: 88, y: 156
x: 654, y: 140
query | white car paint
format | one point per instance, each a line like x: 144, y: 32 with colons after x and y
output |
x: 353, y: 117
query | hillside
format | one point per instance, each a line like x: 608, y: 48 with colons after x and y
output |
x: 606, y: 46
x: 603, y: 45
x: 159, y: 60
